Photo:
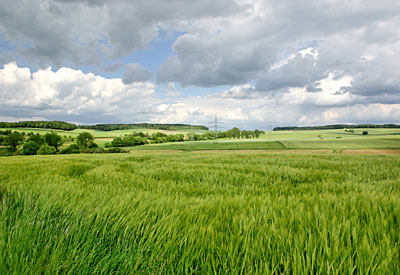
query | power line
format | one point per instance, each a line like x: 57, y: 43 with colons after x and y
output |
x: 216, y: 124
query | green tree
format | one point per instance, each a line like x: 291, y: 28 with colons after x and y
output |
x: 235, y: 132
x: 117, y: 142
x: 46, y: 149
x: 72, y: 149
x: 13, y: 140
x: 30, y: 148
x: 85, y: 140
x: 53, y: 140
x: 38, y: 139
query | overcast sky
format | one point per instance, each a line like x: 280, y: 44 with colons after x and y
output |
x: 256, y: 63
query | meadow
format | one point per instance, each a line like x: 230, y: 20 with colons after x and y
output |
x: 303, y: 140
x: 200, y: 213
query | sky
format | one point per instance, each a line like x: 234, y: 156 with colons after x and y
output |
x: 254, y: 63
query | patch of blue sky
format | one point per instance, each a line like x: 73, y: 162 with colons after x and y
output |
x: 5, y: 45
x: 150, y: 57
x: 156, y: 52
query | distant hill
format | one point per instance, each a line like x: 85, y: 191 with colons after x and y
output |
x: 60, y: 125
x: 336, y: 126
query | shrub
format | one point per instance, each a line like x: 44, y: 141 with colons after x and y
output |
x: 365, y: 132
x: 46, y: 149
x: 117, y: 142
x: 38, y: 139
x: 86, y: 151
x: 85, y: 140
x: 30, y: 148
x: 115, y: 150
x: 98, y: 150
x: 14, y: 140
x: 53, y: 140
x: 72, y: 149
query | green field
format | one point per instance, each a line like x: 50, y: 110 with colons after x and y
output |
x: 311, y: 139
x: 322, y: 139
x: 209, y: 213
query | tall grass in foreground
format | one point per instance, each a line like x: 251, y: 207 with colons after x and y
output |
x: 200, y: 214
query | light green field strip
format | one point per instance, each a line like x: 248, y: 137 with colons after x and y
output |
x: 334, y: 144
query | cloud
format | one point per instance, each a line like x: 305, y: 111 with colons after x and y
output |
x: 245, y: 91
x: 282, y: 61
x: 113, y: 67
x: 69, y: 92
x: 213, y: 61
x: 136, y: 73
x: 16, y: 119
x: 56, y: 32
x: 71, y: 95
x: 298, y: 72
x: 282, y: 44
x: 171, y: 90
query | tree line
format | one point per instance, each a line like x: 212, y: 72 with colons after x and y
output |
x: 156, y: 126
x: 51, y: 143
x: 337, y: 126
x: 141, y: 138
x: 58, y: 125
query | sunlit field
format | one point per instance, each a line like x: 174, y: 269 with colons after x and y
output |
x: 321, y: 139
x: 208, y: 213
x: 304, y: 139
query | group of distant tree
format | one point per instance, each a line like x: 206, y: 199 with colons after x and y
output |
x: 57, y: 125
x: 50, y: 143
x: 60, y: 125
x: 32, y: 144
x: 232, y: 133
x: 156, y: 126
x: 140, y: 138
x: 337, y: 126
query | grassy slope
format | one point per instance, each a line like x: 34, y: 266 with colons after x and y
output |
x: 189, y: 213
